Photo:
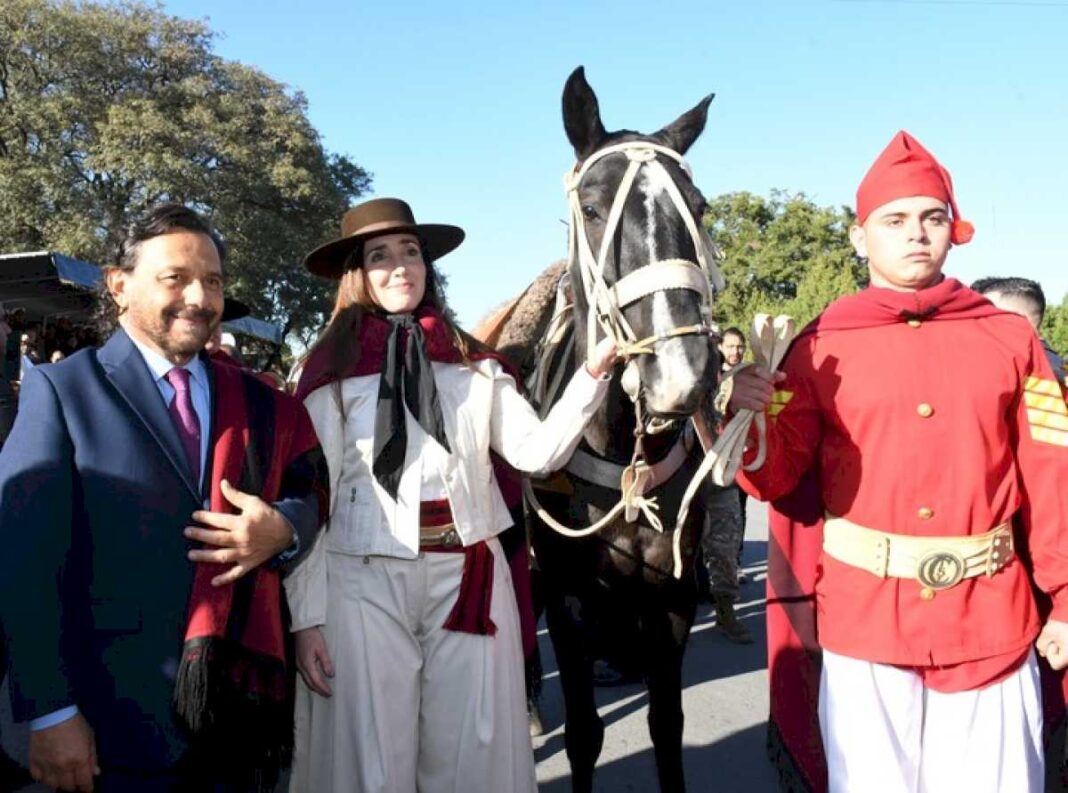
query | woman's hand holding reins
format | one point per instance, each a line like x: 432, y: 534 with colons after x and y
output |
x: 603, y: 359
x: 313, y: 660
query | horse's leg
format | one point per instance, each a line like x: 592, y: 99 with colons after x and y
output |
x: 663, y: 639
x: 583, y: 728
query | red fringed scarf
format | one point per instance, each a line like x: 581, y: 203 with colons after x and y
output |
x: 472, y: 609
x: 795, y: 538
x: 232, y: 689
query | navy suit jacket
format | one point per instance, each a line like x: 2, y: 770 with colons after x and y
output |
x: 95, y: 491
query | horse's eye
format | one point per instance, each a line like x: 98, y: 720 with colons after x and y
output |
x: 589, y: 212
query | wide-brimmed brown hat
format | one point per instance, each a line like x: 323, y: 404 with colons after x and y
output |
x: 373, y: 219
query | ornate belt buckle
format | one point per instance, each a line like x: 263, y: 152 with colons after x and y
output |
x: 450, y: 539
x: 940, y: 570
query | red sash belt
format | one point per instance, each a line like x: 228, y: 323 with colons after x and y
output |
x: 437, y: 531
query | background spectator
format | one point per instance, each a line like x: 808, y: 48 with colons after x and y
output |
x: 1024, y: 297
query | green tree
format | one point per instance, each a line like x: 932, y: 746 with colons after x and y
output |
x: 784, y: 255
x: 107, y: 109
x: 1055, y: 326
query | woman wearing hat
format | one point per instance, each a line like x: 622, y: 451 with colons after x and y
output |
x: 407, y: 630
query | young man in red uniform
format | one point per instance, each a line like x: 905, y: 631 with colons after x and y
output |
x: 923, y: 431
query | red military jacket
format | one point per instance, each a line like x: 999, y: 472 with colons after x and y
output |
x: 926, y: 413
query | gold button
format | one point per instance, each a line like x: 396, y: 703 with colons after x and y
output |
x: 925, y: 410
x: 927, y: 593
x: 925, y: 513
x: 914, y: 323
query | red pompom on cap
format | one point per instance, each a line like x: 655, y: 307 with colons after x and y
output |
x: 962, y: 232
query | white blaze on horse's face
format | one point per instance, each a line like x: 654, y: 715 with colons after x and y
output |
x: 652, y: 187
x: 673, y: 377
x: 679, y: 371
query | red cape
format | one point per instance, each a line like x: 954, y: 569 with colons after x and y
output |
x: 795, y: 539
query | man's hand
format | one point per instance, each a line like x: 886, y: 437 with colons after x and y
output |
x: 246, y: 540
x: 313, y: 660
x: 64, y: 756
x: 753, y: 388
x: 1052, y: 643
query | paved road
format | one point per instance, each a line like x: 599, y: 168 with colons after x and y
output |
x: 725, y: 702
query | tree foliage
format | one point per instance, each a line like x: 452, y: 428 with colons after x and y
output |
x: 1055, y: 326
x: 108, y: 109
x: 784, y: 255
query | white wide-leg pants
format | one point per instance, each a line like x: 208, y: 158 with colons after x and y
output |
x: 883, y: 731
x: 415, y: 708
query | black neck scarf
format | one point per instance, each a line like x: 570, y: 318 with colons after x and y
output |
x: 407, y: 380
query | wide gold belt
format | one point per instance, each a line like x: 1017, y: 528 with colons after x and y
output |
x: 936, y: 562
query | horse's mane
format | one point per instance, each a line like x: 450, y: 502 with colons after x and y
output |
x: 515, y: 328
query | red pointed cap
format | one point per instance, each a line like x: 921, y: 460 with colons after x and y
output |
x: 904, y: 169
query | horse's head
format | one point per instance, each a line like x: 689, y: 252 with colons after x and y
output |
x: 636, y: 225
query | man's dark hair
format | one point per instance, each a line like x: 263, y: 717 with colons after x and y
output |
x: 732, y: 331
x: 155, y: 222
x: 160, y: 220
x: 1014, y: 287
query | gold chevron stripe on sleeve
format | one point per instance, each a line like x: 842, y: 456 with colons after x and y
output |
x: 1038, y: 385
x: 1041, y: 418
x: 1049, y: 435
x: 779, y: 400
x: 1054, y: 404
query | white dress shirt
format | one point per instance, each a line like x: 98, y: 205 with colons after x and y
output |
x: 198, y: 392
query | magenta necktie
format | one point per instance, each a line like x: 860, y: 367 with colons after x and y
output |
x: 185, y: 418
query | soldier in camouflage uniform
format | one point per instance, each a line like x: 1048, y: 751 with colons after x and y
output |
x: 724, y: 525
x: 719, y: 547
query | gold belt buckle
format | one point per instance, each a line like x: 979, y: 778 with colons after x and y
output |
x: 940, y: 570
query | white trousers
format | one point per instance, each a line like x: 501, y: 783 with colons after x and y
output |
x: 415, y: 708
x: 883, y: 731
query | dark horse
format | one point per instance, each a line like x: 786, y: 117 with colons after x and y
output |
x: 619, y: 584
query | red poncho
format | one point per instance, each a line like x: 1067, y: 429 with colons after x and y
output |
x: 232, y: 689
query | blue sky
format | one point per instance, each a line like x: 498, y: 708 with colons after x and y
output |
x: 456, y: 107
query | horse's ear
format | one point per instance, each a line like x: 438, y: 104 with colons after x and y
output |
x: 582, y: 115
x: 683, y: 131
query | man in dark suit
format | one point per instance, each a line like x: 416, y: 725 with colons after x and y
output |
x: 108, y: 578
